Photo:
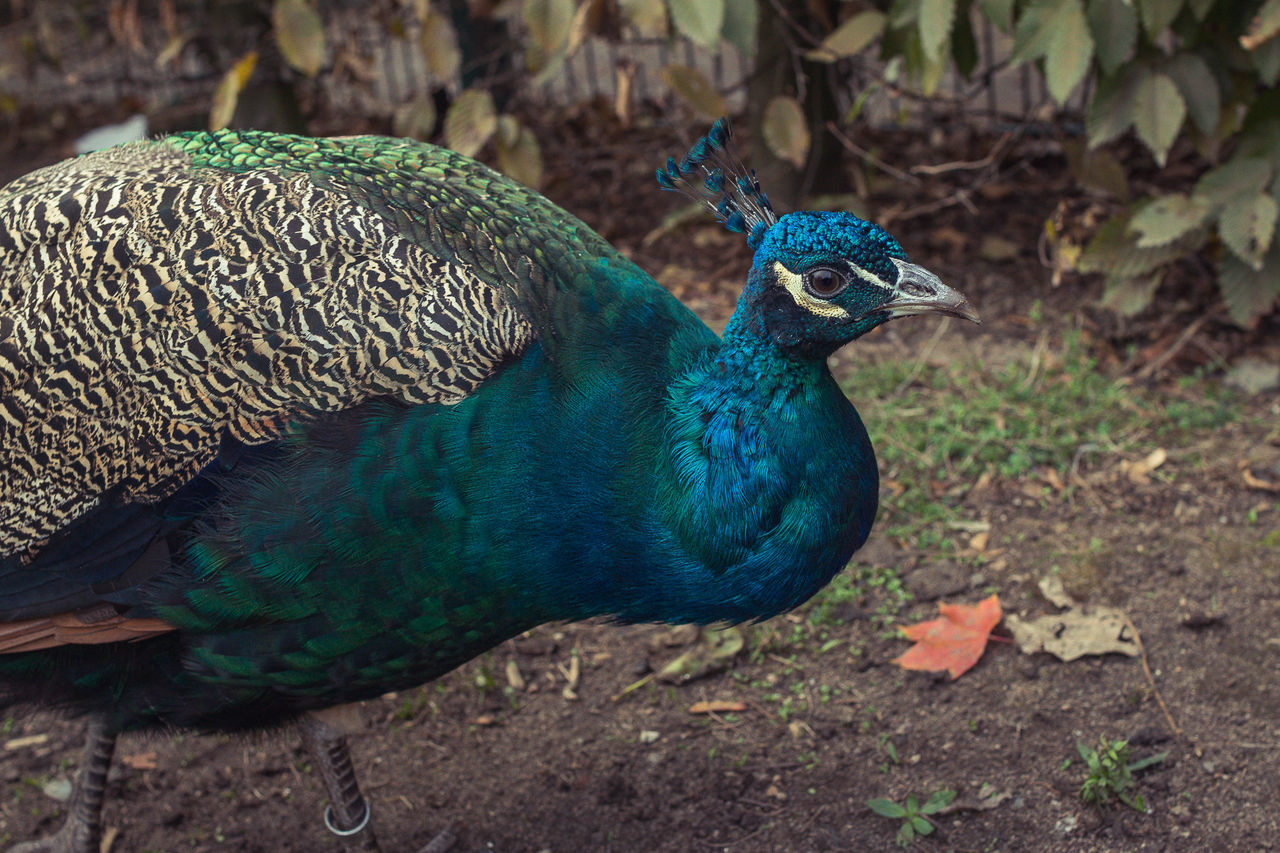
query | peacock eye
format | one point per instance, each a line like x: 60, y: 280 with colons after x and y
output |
x: 824, y: 282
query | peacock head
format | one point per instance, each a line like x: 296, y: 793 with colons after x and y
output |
x: 819, y: 279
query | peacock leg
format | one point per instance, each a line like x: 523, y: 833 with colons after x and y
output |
x: 347, y: 815
x: 83, y: 827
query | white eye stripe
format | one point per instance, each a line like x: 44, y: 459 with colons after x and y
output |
x: 795, y: 286
x: 870, y: 277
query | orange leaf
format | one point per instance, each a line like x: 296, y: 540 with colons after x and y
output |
x: 952, y: 642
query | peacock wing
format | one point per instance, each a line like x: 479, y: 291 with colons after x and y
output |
x: 165, y: 301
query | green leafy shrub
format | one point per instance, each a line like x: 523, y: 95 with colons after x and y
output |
x: 1110, y: 773
x: 1199, y: 74
x: 1200, y: 70
x: 914, y: 816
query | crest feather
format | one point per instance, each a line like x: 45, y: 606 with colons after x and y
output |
x: 711, y: 174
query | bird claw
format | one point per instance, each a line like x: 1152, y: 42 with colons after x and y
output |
x: 442, y: 843
x: 73, y: 837
x: 344, y: 833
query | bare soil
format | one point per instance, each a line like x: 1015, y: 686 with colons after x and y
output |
x: 1191, y: 556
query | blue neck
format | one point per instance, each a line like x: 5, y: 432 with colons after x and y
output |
x: 771, y: 484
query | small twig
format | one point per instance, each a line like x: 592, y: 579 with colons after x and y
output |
x: 924, y: 355
x: 720, y: 845
x: 1214, y: 355
x: 955, y: 166
x: 963, y: 165
x: 1146, y: 669
x: 938, y: 97
x: 960, y: 197
x: 764, y: 808
x: 1037, y: 359
x: 1087, y: 489
x: 1160, y: 360
x: 1042, y: 250
x: 635, y: 685
x: 722, y: 721
x: 786, y: 15
x: 809, y: 820
x: 765, y: 768
x: 858, y: 150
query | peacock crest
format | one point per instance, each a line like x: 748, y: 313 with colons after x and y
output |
x: 712, y: 174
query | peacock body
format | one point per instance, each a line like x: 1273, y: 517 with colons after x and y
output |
x: 287, y: 423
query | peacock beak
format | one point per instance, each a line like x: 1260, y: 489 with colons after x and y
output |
x: 922, y: 292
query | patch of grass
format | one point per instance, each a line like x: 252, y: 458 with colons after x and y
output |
x: 413, y: 705
x: 893, y: 595
x: 887, y: 747
x: 1111, y: 773
x: 937, y: 430
x: 913, y: 815
x: 843, y: 589
x: 485, y: 680
x: 876, y: 589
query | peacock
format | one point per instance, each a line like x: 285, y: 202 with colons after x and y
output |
x: 287, y: 423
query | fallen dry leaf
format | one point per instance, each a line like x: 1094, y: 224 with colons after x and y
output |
x: 677, y: 636
x: 954, y: 641
x: 1054, y: 592
x: 59, y: 789
x: 893, y: 487
x: 29, y: 740
x: 1251, y: 481
x: 714, y: 649
x: 987, y: 798
x: 139, y: 760
x: 1073, y: 633
x: 1054, y: 480
x: 717, y: 706
x: 1254, y: 375
x: 573, y: 673
x: 713, y: 652
x: 514, y: 678
x: 1138, y: 472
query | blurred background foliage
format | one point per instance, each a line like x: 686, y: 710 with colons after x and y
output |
x: 1167, y: 110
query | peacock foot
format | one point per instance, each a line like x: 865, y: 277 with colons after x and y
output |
x: 75, y: 836
x: 442, y: 843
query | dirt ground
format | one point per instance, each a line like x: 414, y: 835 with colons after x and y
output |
x: 564, y: 762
